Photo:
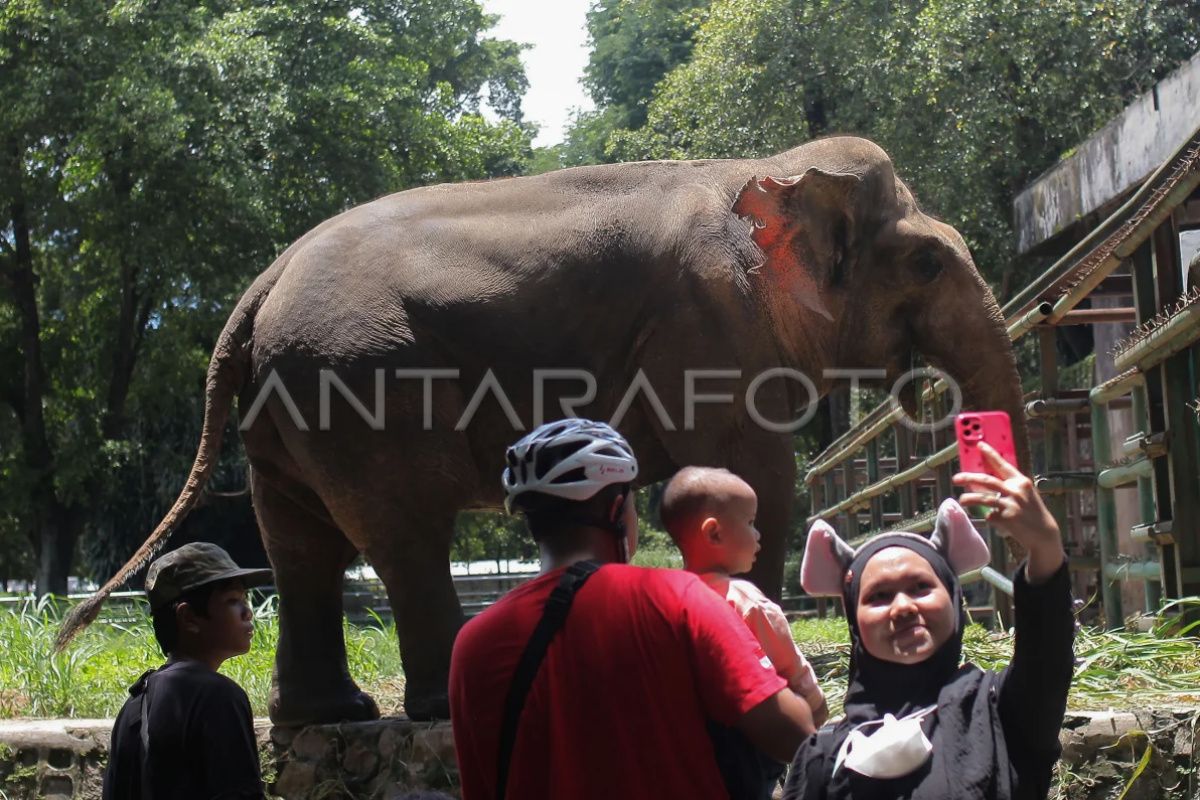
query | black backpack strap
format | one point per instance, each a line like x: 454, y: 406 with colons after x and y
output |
x: 144, y: 732
x: 553, y: 617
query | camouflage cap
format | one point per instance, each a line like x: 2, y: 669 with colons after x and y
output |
x: 192, y: 566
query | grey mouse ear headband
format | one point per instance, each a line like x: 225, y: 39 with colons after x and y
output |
x: 827, y: 557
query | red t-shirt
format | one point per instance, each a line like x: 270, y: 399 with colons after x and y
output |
x: 619, y: 706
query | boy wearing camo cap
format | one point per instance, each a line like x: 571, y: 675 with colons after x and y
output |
x: 186, y: 731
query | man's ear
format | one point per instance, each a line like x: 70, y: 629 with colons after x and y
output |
x: 616, y: 515
x: 185, y: 618
x: 615, y: 509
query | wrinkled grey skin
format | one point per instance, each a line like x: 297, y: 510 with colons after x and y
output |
x: 609, y: 269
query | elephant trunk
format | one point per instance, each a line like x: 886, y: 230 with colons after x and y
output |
x: 975, y: 350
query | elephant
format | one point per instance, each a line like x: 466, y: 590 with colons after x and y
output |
x: 386, y: 359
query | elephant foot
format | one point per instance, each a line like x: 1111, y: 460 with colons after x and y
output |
x: 295, y: 709
x: 426, y: 706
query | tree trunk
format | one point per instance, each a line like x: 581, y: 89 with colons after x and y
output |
x: 57, y: 535
x: 54, y: 545
x: 132, y: 318
x: 56, y: 526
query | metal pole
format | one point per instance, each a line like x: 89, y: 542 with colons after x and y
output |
x: 1106, y: 518
x: 940, y: 440
x: 994, y: 578
x: 1145, y: 300
x: 849, y: 482
x: 872, y: 477
x: 1052, y: 426
x: 908, y: 493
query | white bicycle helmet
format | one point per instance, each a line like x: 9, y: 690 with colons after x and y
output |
x: 544, y: 462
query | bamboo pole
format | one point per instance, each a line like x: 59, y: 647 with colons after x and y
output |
x: 1121, y: 385
x: 887, y: 484
x: 1114, y: 477
x: 1117, y: 571
x: 1174, y: 335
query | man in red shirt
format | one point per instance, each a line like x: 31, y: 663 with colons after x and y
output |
x: 645, y: 661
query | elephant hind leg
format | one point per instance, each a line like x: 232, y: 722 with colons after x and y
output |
x: 309, y: 555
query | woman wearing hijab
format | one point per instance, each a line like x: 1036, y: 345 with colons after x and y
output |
x: 917, y: 725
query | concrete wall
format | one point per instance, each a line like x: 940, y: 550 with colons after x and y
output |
x: 1119, y: 156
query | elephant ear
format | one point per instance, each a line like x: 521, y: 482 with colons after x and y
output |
x: 957, y: 540
x: 803, y: 225
x: 826, y: 559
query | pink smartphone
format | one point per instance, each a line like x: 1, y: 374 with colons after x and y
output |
x: 993, y: 427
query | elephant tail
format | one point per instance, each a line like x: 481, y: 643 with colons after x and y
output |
x: 227, y: 373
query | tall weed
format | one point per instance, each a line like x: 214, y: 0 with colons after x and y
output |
x: 90, y: 679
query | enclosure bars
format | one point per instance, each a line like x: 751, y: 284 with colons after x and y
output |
x: 1075, y: 276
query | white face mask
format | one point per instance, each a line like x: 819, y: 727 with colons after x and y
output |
x: 896, y: 749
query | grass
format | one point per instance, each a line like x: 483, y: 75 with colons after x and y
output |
x: 1116, y: 669
x: 91, y: 677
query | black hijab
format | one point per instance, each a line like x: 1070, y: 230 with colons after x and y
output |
x: 969, y: 759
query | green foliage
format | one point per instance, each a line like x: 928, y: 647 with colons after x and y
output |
x: 154, y: 158
x: 481, y: 536
x: 971, y: 99
x: 634, y: 44
x: 655, y: 548
x: 587, y: 141
x: 735, y: 96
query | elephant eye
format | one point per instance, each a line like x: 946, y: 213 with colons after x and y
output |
x: 927, y: 267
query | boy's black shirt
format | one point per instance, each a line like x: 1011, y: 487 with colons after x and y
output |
x: 201, y: 736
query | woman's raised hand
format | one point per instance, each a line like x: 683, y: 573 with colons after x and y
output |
x: 1017, y: 510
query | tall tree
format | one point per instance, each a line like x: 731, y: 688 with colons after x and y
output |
x: 634, y: 44
x: 155, y: 156
x: 972, y: 98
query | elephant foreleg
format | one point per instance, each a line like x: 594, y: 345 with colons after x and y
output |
x: 772, y: 473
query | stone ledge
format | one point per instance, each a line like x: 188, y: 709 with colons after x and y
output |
x: 60, y: 759
x: 379, y: 760
x: 384, y: 760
